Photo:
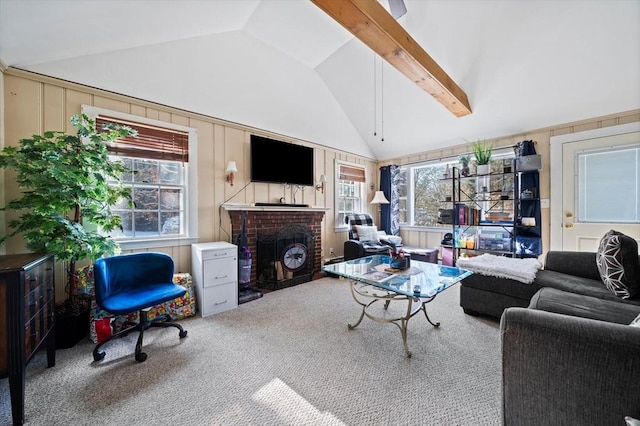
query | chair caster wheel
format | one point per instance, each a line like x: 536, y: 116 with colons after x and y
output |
x: 99, y: 356
x: 182, y: 334
x: 141, y: 357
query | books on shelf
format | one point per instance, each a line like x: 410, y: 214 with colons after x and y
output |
x: 465, y: 215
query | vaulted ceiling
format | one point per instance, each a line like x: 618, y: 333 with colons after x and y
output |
x: 287, y: 67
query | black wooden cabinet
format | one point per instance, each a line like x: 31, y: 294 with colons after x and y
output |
x: 27, y: 303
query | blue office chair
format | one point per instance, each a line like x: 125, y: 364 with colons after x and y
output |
x: 135, y: 282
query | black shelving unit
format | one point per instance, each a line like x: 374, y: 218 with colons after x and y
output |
x: 486, y: 212
x: 528, y: 238
x: 497, y: 213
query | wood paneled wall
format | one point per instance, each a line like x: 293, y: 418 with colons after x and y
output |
x: 34, y: 104
x: 430, y: 238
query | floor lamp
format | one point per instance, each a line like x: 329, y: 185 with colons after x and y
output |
x: 378, y: 199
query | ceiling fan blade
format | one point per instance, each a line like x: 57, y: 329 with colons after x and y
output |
x: 397, y: 8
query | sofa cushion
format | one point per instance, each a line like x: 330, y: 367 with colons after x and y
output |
x: 578, y: 305
x: 573, y: 284
x: 505, y: 286
x: 617, y: 260
x: 367, y: 233
x: 578, y: 263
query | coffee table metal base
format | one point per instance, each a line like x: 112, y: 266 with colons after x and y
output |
x: 369, y: 296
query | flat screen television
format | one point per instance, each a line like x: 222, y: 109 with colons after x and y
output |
x: 275, y: 161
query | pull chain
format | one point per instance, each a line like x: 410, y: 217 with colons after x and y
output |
x: 375, y: 98
x: 382, y: 100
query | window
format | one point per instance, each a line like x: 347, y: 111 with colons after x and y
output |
x: 598, y: 173
x: 162, y: 181
x: 157, y: 188
x: 350, y: 181
x: 422, y: 188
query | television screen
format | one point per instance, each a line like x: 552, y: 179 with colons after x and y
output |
x: 275, y: 161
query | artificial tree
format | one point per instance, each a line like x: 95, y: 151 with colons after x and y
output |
x: 68, y: 185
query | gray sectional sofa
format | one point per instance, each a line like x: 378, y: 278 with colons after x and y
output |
x: 569, y: 272
x: 571, y: 357
x: 566, y: 370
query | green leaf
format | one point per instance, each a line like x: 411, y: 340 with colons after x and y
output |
x: 57, y: 173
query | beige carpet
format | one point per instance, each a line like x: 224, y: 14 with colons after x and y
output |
x: 285, y: 359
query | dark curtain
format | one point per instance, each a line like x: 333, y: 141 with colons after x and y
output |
x: 389, y: 213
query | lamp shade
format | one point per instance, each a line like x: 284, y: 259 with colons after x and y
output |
x: 323, y: 179
x: 379, y: 198
x: 231, y: 167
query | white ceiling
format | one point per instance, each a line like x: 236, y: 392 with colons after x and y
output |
x: 286, y: 67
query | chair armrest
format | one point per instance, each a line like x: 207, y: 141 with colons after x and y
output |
x: 559, y: 369
x: 387, y: 243
x: 576, y: 263
x: 353, y: 249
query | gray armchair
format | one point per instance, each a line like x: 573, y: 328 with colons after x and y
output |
x: 566, y: 370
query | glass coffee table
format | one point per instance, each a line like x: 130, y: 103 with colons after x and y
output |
x: 374, y: 285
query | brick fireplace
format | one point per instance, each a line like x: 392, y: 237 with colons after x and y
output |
x: 286, y: 227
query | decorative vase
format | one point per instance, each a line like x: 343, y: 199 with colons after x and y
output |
x: 401, y: 261
x: 483, y: 169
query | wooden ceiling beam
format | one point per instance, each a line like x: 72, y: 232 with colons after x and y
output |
x: 369, y: 21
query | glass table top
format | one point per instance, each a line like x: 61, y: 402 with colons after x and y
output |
x: 430, y: 277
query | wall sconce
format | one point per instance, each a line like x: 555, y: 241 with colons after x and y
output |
x: 323, y: 181
x: 379, y: 198
x: 231, y: 171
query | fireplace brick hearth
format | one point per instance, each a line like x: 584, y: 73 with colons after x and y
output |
x: 265, y: 221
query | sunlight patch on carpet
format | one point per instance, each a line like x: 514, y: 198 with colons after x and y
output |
x: 291, y: 407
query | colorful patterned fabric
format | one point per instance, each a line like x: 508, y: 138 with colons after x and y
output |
x: 617, y: 260
x: 394, y: 200
x: 178, y: 308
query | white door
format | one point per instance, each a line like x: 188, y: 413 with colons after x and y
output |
x: 598, y: 186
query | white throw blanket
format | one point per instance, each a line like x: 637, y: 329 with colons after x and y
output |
x: 523, y: 270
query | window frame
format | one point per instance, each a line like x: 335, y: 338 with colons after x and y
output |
x: 340, y: 226
x: 453, y: 160
x: 583, y: 162
x: 190, y: 235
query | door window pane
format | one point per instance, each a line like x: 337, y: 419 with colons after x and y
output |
x: 609, y: 186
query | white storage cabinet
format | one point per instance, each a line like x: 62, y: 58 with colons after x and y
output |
x: 215, y: 272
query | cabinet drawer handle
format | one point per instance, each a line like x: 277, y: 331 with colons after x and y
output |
x: 220, y: 303
x: 217, y: 277
x: 219, y: 254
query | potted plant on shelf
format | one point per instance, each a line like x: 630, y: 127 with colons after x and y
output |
x: 464, y: 162
x: 482, y: 151
x: 68, y: 188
